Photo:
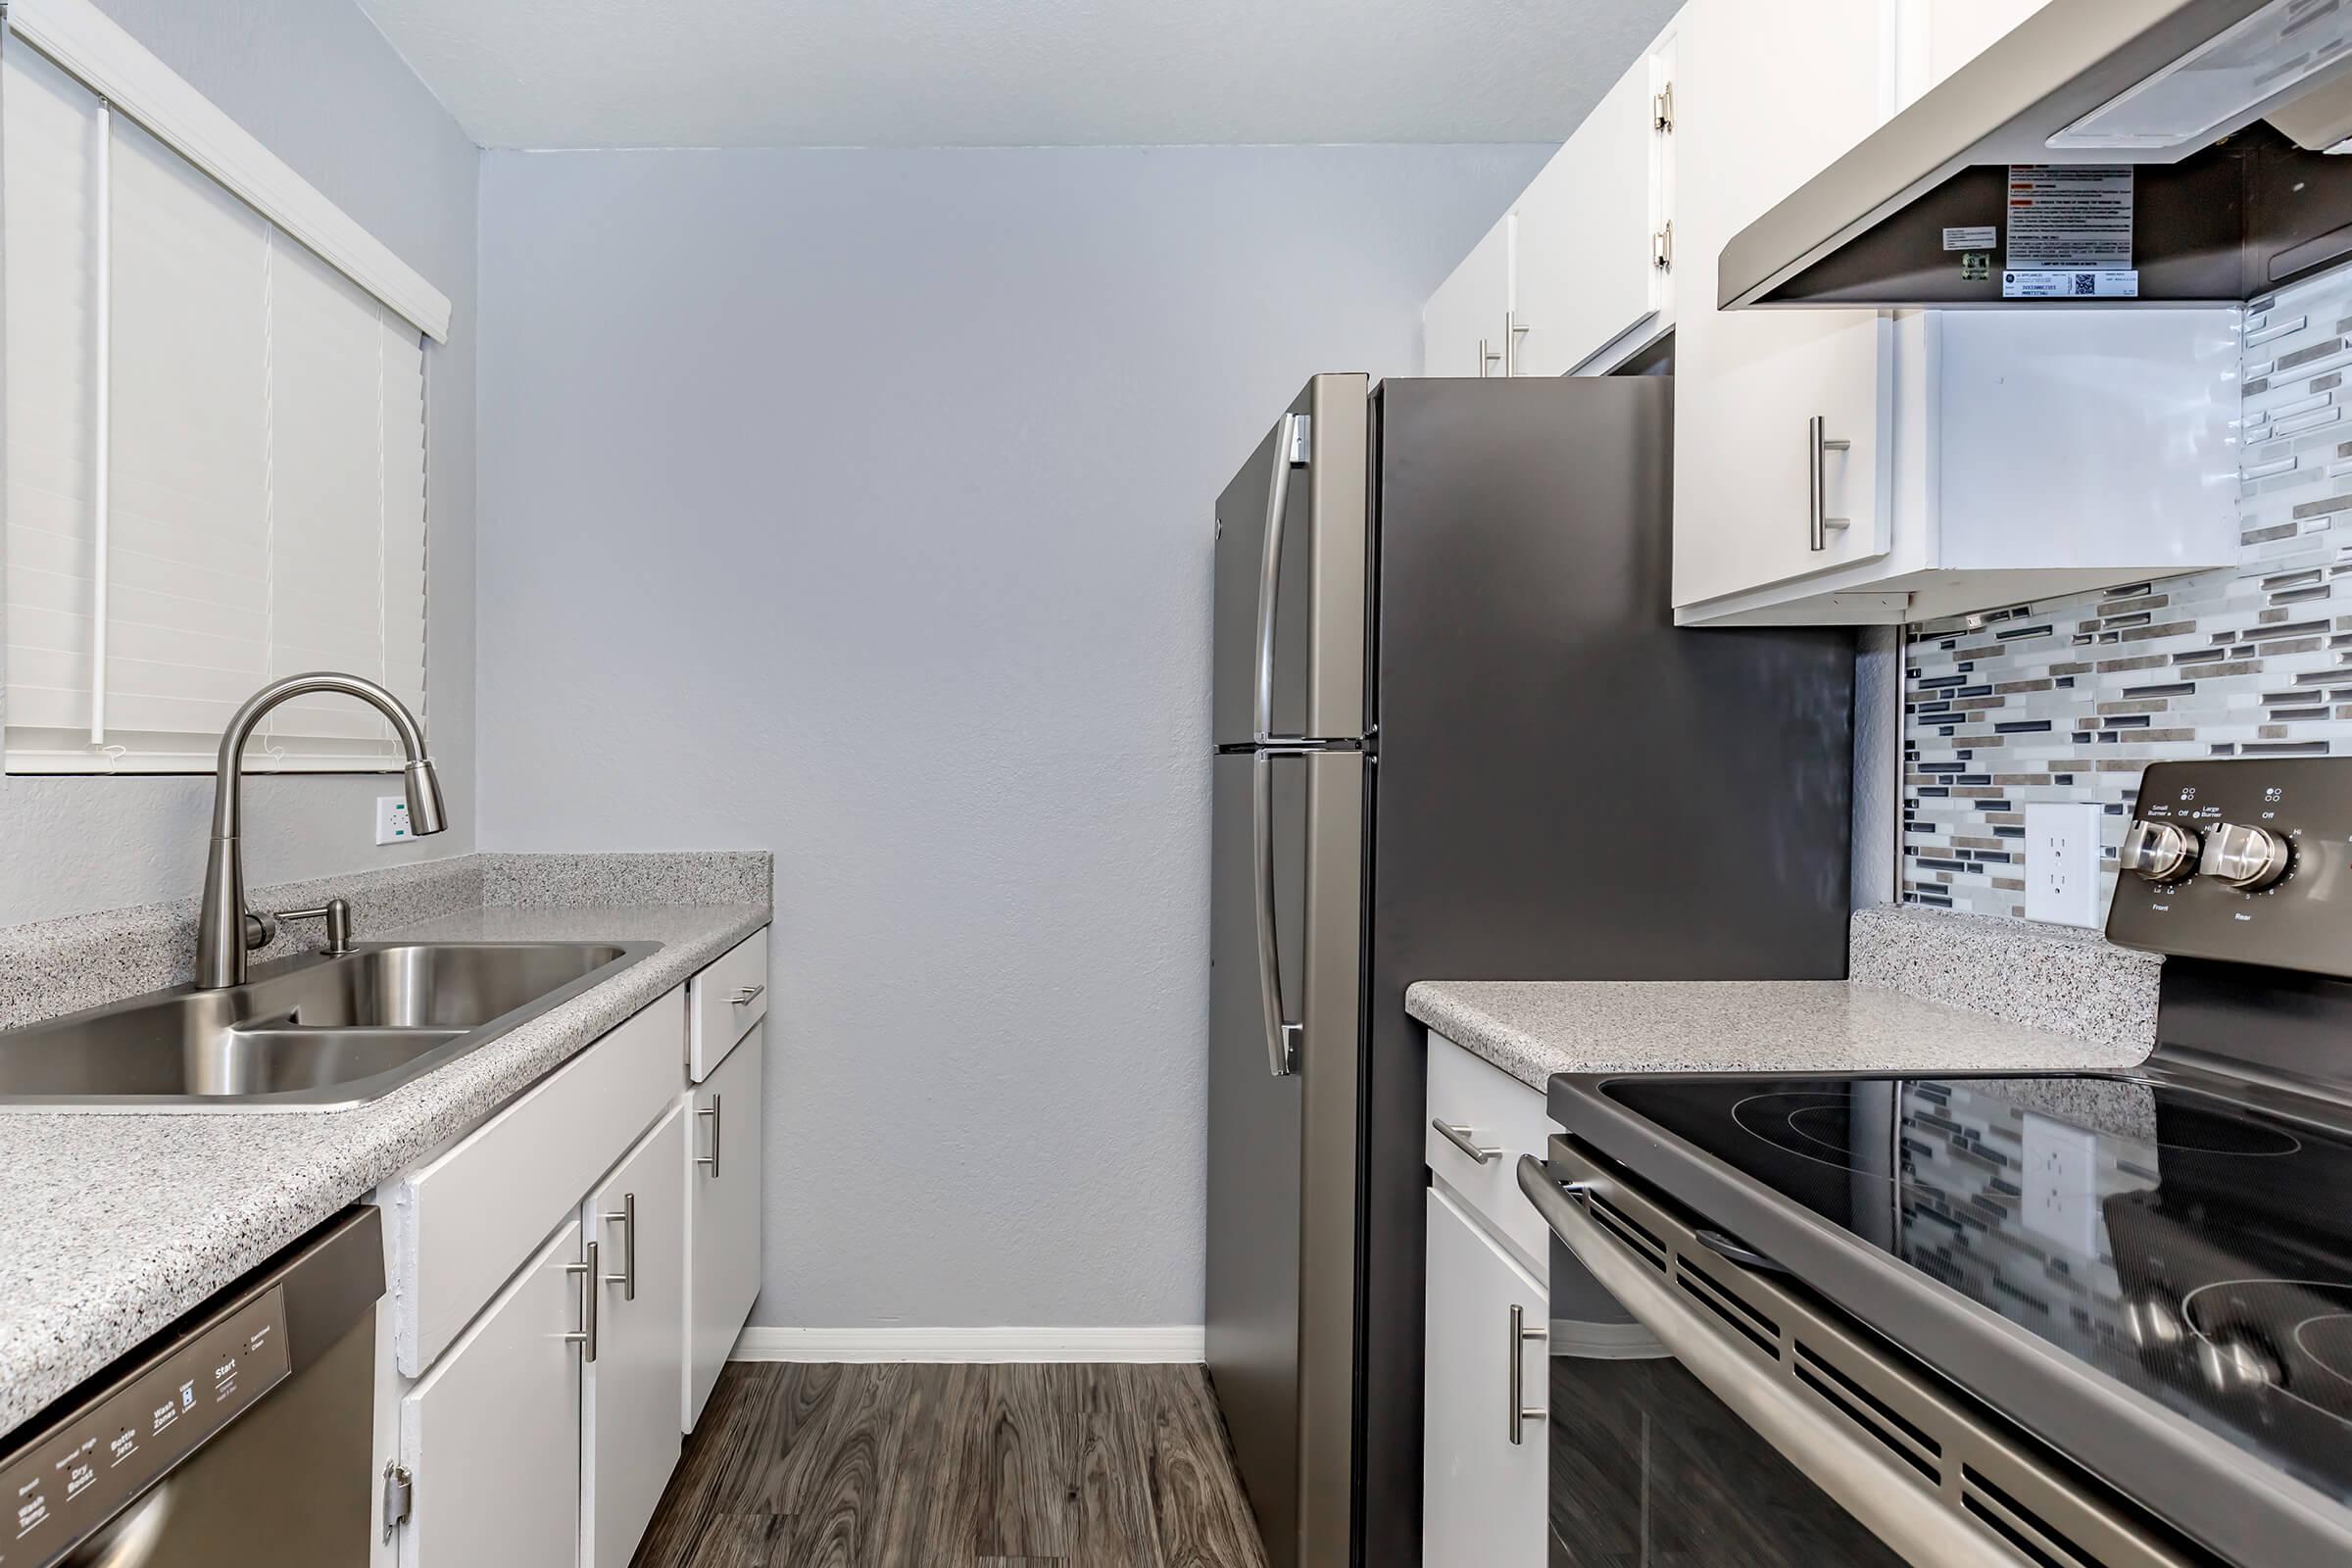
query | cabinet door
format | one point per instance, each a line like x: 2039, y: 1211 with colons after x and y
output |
x: 1770, y: 93
x: 491, y: 1433
x: 1481, y: 1495
x: 1956, y: 32
x: 1468, y: 310
x: 629, y: 1442
x: 724, y: 1181
x: 1592, y: 232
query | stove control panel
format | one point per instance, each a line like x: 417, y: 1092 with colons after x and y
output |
x: 2248, y: 860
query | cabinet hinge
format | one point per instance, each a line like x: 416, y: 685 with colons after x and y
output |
x: 400, y: 1491
x: 1661, y: 247
x: 1661, y: 109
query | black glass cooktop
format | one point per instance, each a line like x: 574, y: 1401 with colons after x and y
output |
x: 2193, y: 1246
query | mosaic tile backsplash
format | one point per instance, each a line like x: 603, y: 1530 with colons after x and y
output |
x: 2069, y: 699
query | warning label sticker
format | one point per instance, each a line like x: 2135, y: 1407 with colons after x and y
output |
x: 2052, y: 284
x: 2070, y: 217
x: 1979, y: 238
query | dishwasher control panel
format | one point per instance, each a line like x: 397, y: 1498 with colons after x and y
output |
x: 74, y: 1477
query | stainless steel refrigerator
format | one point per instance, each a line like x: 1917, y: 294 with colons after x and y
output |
x: 1457, y: 737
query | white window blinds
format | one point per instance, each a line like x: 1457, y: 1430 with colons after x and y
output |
x: 215, y: 458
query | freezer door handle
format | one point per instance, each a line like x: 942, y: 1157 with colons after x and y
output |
x: 1282, y: 1037
x: 1290, y: 450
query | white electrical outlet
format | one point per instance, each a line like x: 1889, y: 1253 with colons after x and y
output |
x: 2062, y: 863
x: 2061, y: 1182
x: 392, y: 819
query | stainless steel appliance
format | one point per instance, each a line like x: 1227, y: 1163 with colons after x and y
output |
x: 242, y: 1439
x: 2199, y: 132
x: 2097, y: 1320
x: 1457, y: 735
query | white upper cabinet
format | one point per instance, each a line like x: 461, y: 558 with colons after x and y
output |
x: 1595, y: 244
x: 1577, y: 274
x: 1782, y: 421
x: 1851, y: 466
x: 1462, y: 324
x: 1940, y: 36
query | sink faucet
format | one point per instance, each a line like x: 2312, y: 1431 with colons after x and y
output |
x: 224, y: 929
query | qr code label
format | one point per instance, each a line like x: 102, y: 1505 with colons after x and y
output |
x: 2053, y: 283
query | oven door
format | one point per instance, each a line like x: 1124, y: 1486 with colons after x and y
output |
x: 1702, y: 1413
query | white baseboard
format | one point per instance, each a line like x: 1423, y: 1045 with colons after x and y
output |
x: 1175, y: 1343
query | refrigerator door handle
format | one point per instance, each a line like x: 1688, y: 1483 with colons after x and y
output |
x: 1289, y: 452
x: 1282, y: 1037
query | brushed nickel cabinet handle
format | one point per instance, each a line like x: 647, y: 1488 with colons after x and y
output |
x: 1464, y: 1139
x: 747, y: 996
x: 585, y: 1336
x: 1486, y: 357
x: 1512, y: 332
x: 1818, y: 448
x: 1521, y: 1337
x: 710, y: 1110
x: 626, y: 1219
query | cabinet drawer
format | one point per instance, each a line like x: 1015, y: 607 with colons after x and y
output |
x: 1501, y: 1113
x: 467, y: 1220
x: 724, y: 1001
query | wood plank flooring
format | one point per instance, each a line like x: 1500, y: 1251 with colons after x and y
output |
x: 954, y: 1466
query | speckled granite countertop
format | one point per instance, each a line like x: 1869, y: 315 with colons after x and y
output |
x: 113, y: 1224
x: 1932, y: 992
x: 1533, y: 1029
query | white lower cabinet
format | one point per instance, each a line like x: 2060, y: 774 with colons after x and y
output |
x: 723, y: 1183
x: 494, y: 1429
x: 1483, y: 1494
x: 535, y: 1423
x: 629, y: 1444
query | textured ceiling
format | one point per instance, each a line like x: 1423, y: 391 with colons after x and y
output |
x: 1014, y: 72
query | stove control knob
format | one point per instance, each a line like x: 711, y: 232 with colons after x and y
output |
x: 2246, y: 858
x: 2159, y: 851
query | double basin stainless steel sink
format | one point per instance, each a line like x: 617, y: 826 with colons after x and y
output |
x: 306, y: 1033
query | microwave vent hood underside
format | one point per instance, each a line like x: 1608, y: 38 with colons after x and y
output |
x: 2218, y: 106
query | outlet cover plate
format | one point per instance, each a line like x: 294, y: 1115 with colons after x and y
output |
x: 2063, y: 862
x: 392, y: 819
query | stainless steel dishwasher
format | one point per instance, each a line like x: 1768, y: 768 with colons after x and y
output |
x: 242, y: 1437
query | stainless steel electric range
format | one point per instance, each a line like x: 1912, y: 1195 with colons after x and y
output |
x: 2074, y: 1320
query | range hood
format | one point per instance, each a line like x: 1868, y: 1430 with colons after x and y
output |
x: 2103, y: 153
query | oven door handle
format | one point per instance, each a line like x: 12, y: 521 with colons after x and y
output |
x: 1858, y: 1480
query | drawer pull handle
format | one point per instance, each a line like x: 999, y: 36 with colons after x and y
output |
x: 1465, y: 1140
x: 1521, y: 1337
x: 747, y: 996
x: 626, y: 1219
x: 710, y: 1110
x: 585, y: 1337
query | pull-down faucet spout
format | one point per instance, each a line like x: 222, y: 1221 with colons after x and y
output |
x: 224, y: 928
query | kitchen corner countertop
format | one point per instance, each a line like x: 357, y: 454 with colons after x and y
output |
x: 115, y: 1223
x: 1533, y: 1029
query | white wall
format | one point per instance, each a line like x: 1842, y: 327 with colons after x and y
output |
x: 319, y: 84
x: 857, y: 505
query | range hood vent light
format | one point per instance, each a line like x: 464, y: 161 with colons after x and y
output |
x: 2275, y: 49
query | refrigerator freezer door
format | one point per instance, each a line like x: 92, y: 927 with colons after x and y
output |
x: 1297, y: 614
x: 1570, y: 786
x: 1282, y: 1151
